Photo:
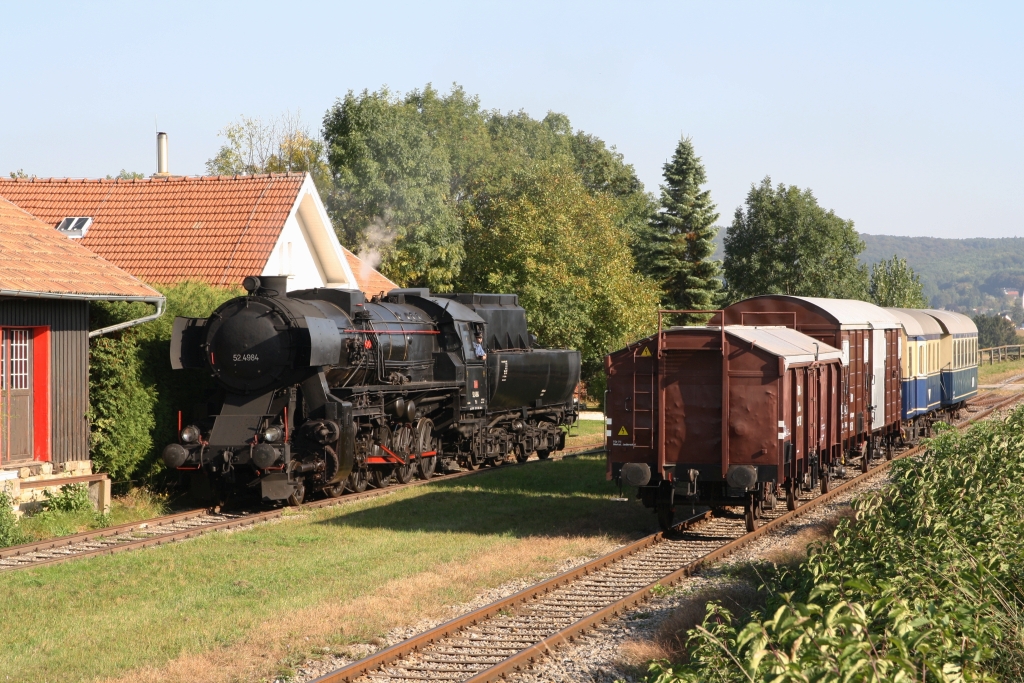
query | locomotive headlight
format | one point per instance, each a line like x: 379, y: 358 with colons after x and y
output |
x: 190, y: 434
x: 272, y: 434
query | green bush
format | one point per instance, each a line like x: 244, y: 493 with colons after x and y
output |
x: 71, y: 498
x: 10, y: 532
x: 926, y: 585
x: 121, y: 405
x: 134, y: 394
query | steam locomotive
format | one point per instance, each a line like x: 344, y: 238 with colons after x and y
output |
x: 322, y: 390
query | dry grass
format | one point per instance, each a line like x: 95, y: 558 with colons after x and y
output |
x: 294, y: 636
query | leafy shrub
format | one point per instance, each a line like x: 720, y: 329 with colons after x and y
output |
x: 925, y: 585
x: 71, y: 498
x: 10, y: 531
x: 121, y: 405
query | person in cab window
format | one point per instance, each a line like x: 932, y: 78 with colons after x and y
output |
x: 478, y: 348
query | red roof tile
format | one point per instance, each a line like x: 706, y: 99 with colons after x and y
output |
x: 164, y: 230
x: 368, y: 279
x: 36, y: 258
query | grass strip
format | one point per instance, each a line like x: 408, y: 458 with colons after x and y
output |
x: 925, y: 584
x: 321, y: 579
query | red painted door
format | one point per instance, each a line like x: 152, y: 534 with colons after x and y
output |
x: 16, y: 395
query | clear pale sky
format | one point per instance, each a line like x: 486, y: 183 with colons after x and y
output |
x: 905, y: 117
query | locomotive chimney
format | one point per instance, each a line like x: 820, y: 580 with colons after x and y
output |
x: 161, y: 155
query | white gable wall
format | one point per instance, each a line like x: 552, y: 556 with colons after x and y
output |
x: 307, y: 250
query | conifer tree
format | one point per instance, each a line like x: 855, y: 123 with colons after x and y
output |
x: 683, y: 234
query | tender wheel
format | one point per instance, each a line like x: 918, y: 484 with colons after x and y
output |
x: 521, y: 454
x: 357, y: 481
x: 380, y: 478
x: 403, y: 473
x: 543, y: 454
x: 666, y: 516
x: 297, y: 495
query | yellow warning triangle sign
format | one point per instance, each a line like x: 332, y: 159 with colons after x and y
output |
x: 646, y: 351
x: 622, y: 431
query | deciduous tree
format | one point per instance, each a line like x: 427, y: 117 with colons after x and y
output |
x: 894, y: 284
x: 540, y: 233
x: 783, y: 242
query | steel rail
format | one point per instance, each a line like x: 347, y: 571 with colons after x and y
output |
x: 153, y: 524
x: 524, y: 659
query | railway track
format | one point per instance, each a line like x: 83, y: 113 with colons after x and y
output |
x: 510, y: 635
x: 189, y: 524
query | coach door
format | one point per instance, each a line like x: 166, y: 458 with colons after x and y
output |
x: 15, y: 395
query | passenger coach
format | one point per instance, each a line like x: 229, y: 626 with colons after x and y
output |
x: 920, y: 339
x: 958, y: 359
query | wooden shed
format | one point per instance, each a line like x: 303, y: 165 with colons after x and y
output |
x: 46, y: 284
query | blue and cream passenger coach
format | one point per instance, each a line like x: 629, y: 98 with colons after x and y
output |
x: 958, y: 358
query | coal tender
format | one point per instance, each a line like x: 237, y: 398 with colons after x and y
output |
x: 321, y: 390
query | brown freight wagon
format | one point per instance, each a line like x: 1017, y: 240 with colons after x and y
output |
x: 670, y: 433
x: 869, y: 337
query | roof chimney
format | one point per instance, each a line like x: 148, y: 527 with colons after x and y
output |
x: 161, y: 154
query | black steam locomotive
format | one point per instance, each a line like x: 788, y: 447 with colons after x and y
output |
x: 320, y: 389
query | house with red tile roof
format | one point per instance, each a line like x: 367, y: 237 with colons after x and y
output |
x: 46, y: 284
x: 218, y: 229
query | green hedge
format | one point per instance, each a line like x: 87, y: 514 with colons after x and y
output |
x: 134, y: 395
x: 926, y: 585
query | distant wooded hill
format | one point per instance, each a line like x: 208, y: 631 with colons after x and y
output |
x: 960, y: 274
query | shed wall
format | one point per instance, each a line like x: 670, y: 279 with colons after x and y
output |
x: 69, y: 368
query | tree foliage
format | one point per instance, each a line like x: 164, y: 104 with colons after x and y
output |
x: 121, y: 405
x: 541, y: 234
x: 277, y: 145
x: 392, y: 188
x: 682, y: 236
x: 407, y: 171
x: 894, y: 284
x: 783, y: 242
x: 995, y: 330
x: 447, y: 195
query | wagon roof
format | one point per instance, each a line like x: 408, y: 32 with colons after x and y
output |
x: 785, y: 342
x: 916, y: 323
x: 852, y: 313
x: 953, y: 323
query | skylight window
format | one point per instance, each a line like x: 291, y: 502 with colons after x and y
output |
x: 74, y: 227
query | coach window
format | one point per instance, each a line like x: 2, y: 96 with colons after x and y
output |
x: 910, y: 360
x: 921, y: 355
